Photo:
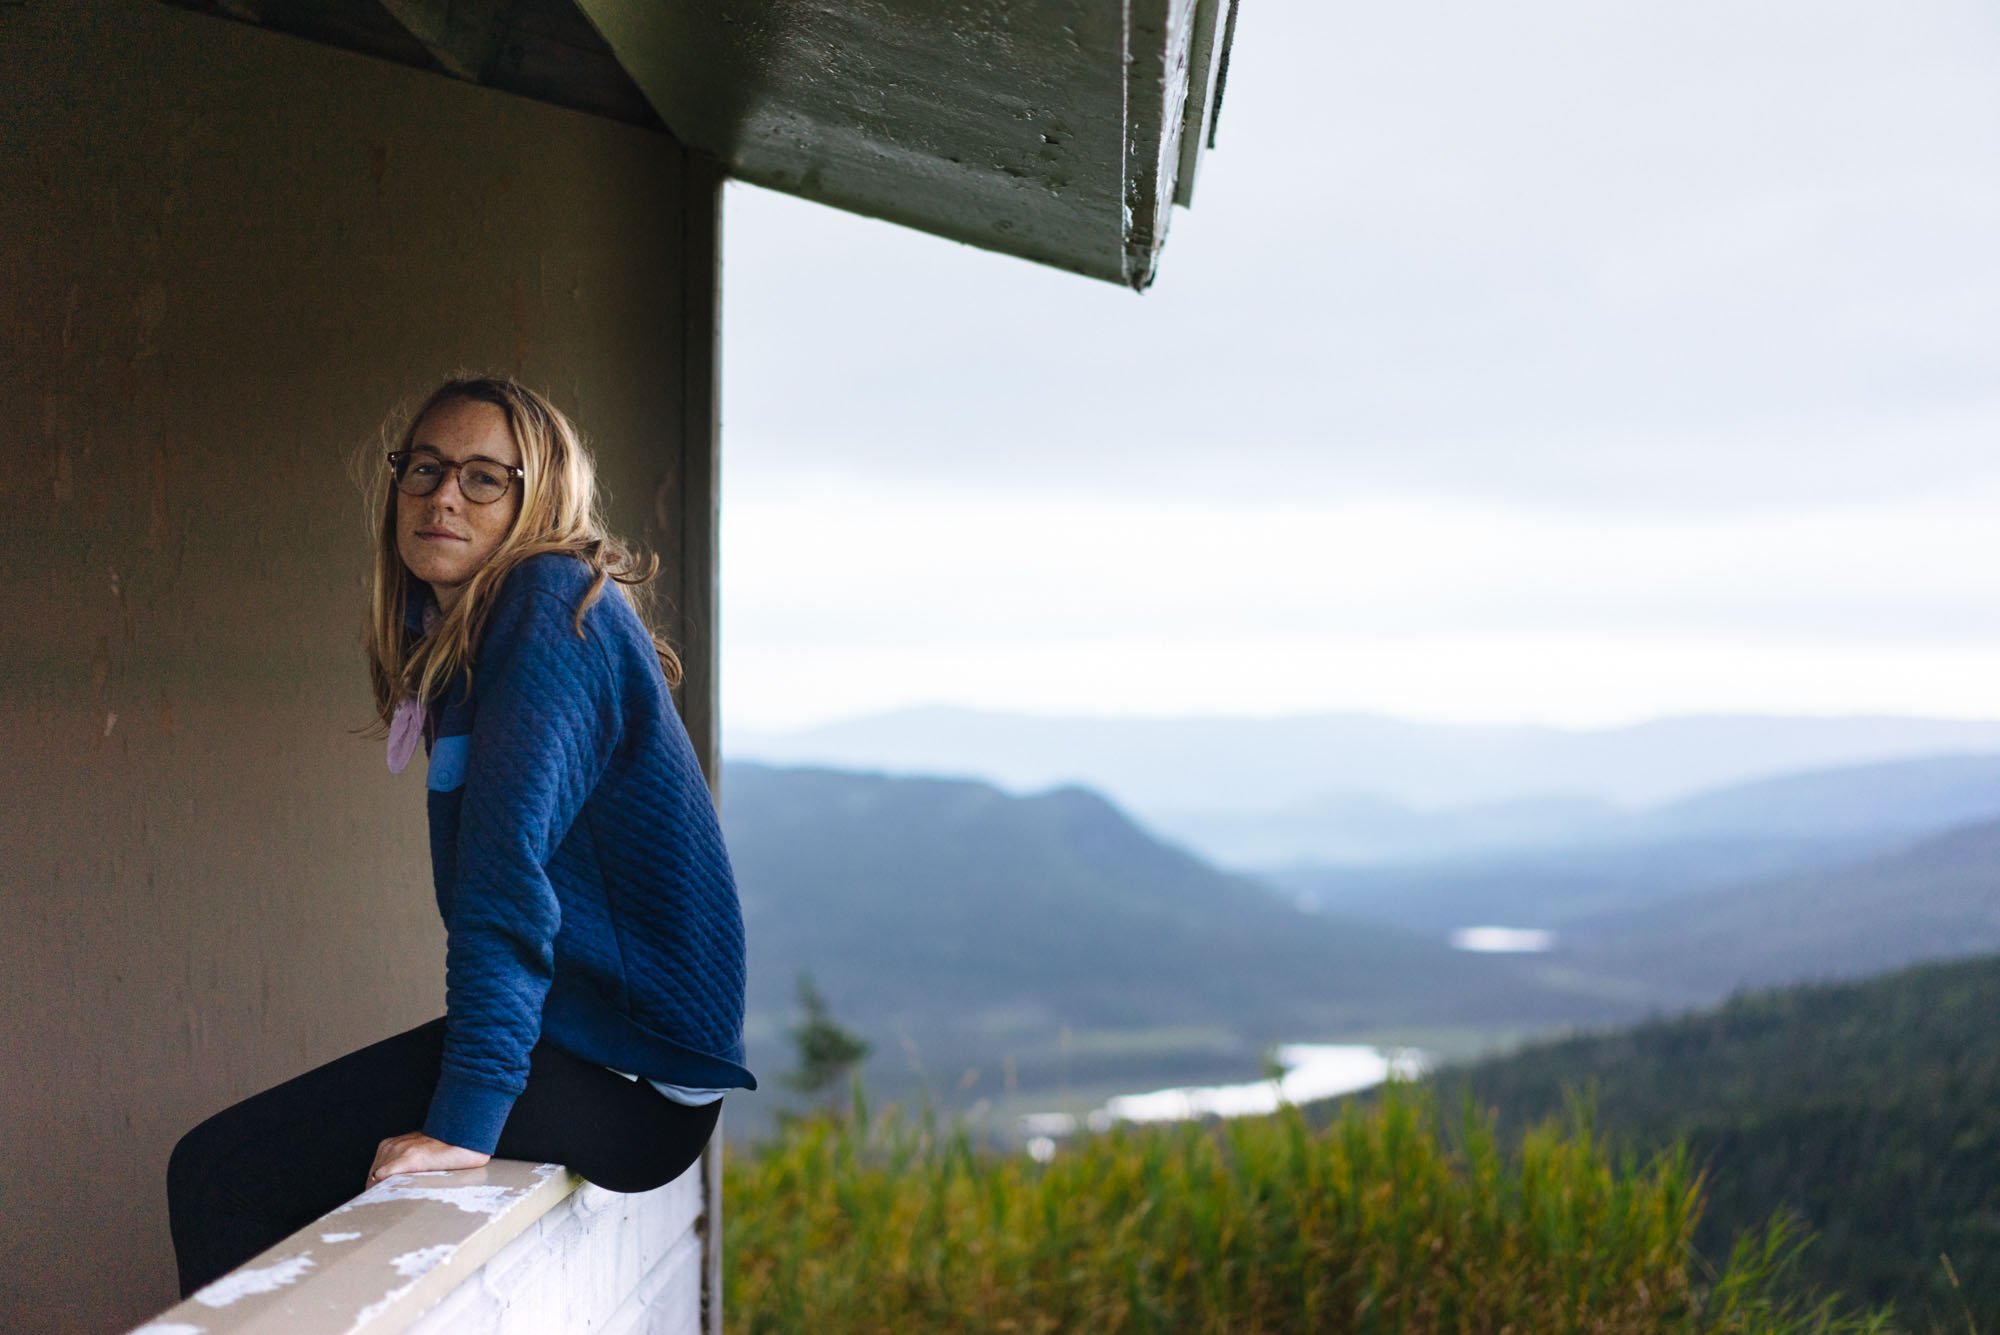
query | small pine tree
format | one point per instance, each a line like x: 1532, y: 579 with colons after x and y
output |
x: 826, y: 1050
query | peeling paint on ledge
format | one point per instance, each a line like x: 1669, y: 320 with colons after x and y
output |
x: 240, y: 1284
x: 412, y: 1265
x: 472, y: 1200
x: 398, y: 1250
x: 374, y: 1311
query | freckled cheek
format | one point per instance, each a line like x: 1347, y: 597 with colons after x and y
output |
x: 407, y: 546
x: 406, y: 527
x: 489, y: 537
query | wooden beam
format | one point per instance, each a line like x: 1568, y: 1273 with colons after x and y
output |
x: 540, y: 49
x: 683, y: 531
x: 686, y: 503
x: 687, y: 516
x: 462, y: 36
x: 1205, y: 55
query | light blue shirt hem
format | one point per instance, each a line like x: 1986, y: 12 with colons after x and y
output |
x: 682, y: 1094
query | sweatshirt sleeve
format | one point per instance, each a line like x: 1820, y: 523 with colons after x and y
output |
x: 543, y: 731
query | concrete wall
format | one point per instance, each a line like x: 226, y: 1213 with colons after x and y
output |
x: 223, y: 255
x: 615, y: 1265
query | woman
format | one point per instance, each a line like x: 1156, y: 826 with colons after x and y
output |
x: 594, y: 964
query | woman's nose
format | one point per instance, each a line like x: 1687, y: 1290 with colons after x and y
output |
x: 447, y: 494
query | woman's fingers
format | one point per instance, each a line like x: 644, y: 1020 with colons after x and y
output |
x: 416, y: 1152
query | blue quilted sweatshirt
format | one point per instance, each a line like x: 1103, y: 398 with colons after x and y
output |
x: 586, y: 894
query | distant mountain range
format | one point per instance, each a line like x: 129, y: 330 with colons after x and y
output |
x: 1850, y: 805
x: 1732, y: 889
x: 1555, y: 889
x: 1354, y: 789
x: 1794, y: 825
x: 1884, y: 800
x: 988, y: 942
x: 1049, y: 940
x: 1936, y: 898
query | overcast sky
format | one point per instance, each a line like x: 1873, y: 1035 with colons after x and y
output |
x: 1561, y: 362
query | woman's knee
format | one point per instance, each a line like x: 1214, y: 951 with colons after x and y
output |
x: 640, y: 1172
x: 661, y: 1159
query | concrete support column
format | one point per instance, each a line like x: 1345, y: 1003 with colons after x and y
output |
x: 684, y: 532
x: 686, y: 513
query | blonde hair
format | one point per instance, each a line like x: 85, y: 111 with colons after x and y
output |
x: 558, y: 513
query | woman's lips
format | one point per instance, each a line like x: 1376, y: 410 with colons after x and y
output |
x: 438, y: 535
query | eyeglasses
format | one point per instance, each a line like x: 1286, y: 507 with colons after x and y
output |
x: 480, y: 481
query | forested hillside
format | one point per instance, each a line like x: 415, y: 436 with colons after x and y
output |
x: 1871, y: 1109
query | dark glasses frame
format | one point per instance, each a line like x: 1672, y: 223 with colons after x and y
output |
x: 399, y: 466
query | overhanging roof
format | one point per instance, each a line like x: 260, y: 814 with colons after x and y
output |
x: 1061, y: 131
x: 1049, y: 129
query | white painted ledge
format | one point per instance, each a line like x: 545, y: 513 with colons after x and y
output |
x: 511, y: 1247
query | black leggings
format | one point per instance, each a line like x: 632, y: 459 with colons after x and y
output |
x: 266, y: 1167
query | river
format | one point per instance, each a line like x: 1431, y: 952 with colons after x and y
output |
x: 1311, y: 1071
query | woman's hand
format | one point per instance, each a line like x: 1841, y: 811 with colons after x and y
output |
x: 419, y: 1153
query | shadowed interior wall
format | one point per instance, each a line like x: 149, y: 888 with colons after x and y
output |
x: 226, y: 254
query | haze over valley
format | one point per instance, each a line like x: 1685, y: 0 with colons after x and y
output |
x: 1000, y: 946
x: 1352, y: 788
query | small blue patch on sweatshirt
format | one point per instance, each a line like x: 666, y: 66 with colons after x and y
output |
x: 448, y: 763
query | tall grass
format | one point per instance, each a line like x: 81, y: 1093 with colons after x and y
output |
x: 1377, y: 1222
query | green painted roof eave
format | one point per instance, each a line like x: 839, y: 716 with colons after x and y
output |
x: 1058, y: 131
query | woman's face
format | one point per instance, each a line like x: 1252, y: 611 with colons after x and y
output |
x: 444, y: 538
